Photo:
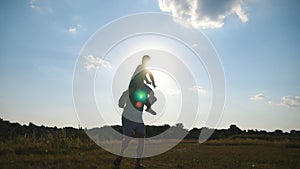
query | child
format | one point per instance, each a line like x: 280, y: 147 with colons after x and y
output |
x: 137, y: 83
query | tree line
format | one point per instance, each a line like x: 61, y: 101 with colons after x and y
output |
x: 10, y: 131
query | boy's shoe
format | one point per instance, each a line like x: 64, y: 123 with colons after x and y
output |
x: 151, y: 111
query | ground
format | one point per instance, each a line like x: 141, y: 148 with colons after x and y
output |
x: 218, y: 154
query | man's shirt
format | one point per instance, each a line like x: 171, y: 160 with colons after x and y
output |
x: 129, y: 111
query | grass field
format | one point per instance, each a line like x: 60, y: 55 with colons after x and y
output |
x: 217, y: 154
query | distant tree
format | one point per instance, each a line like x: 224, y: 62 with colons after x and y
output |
x: 233, y: 129
x: 277, y: 131
x: 193, y: 134
x: 295, y: 133
x: 179, y: 125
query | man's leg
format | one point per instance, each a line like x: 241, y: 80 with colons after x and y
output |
x: 140, y: 146
x: 140, y: 134
x: 139, y: 151
x: 128, y: 130
x: 124, y: 145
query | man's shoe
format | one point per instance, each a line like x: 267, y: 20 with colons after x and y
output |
x: 117, y: 163
x: 140, y: 167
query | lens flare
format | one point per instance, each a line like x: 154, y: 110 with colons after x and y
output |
x: 138, y: 104
x: 140, y: 96
x: 103, y: 72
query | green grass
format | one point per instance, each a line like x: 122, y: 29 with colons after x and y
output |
x: 218, y: 154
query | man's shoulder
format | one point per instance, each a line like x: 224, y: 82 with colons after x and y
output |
x: 125, y: 93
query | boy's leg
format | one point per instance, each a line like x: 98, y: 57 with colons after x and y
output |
x: 133, y: 87
x: 151, y: 99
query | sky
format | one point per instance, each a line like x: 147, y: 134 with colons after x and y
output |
x: 256, y: 40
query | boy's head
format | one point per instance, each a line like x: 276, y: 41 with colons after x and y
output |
x: 145, y: 59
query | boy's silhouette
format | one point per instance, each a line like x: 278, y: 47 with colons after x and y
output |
x: 138, y: 80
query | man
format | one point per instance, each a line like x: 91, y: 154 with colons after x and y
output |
x: 133, y: 126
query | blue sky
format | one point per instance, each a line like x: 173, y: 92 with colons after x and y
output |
x: 257, y: 43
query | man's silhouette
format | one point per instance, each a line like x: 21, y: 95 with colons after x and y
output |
x: 133, y: 101
x: 133, y: 126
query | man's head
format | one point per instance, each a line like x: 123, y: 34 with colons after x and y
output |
x: 145, y: 59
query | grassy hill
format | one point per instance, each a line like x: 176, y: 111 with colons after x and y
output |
x: 31, y: 146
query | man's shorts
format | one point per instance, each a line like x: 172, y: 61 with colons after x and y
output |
x: 133, y: 129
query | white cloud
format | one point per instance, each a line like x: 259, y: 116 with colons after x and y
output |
x: 32, y: 4
x: 241, y: 13
x: 89, y: 67
x: 258, y: 97
x: 290, y: 101
x: 199, y: 89
x: 204, y: 13
x: 93, y: 62
x: 42, y: 7
x: 286, y: 101
x: 72, y: 30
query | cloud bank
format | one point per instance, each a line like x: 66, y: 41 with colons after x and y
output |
x: 291, y: 101
x: 93, y: 62
x: 42, y: 7
x: 204, y: 13
x: 257, y: 97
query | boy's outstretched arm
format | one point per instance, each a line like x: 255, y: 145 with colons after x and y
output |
x: 152, y: 79
x: 146, y: 79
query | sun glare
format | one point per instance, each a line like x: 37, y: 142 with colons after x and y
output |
x: 165, y: 82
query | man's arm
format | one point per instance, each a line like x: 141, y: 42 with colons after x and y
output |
x: 123, y: 99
